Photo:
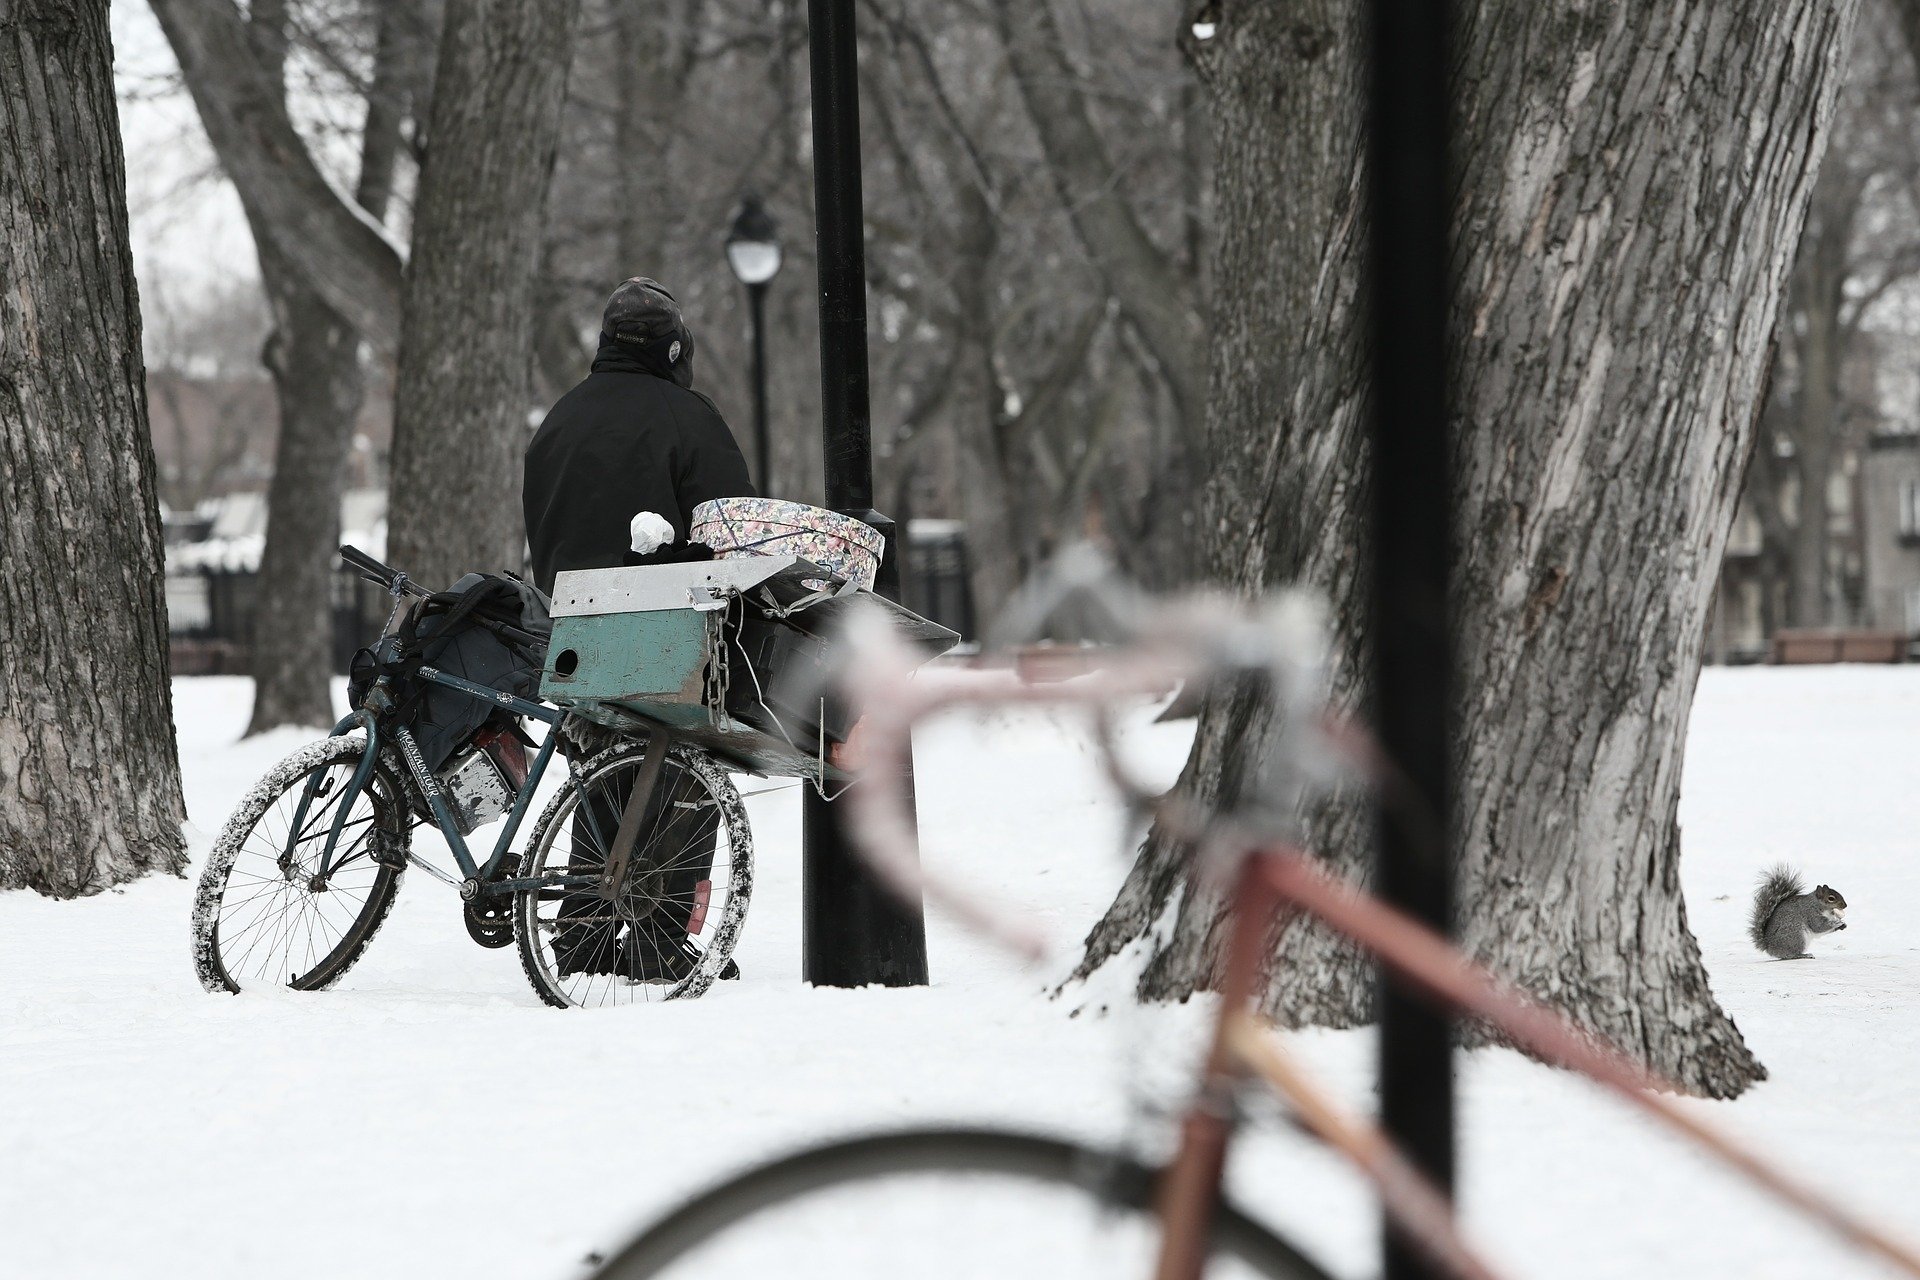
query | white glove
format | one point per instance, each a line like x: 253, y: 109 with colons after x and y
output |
x: 650, y: 532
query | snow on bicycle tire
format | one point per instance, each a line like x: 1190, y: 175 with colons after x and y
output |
x: 669, y: 930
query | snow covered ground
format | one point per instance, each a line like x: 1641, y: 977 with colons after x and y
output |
x: 429, y: 1117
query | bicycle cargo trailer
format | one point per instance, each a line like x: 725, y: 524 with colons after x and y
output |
x: 728, y: 654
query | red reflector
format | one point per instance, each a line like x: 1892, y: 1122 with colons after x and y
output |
x: 702, y: 892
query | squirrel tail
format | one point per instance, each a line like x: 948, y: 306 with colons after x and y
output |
x: 1776, y: 886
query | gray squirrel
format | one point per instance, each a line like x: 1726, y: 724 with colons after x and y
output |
x: 1784, y: 913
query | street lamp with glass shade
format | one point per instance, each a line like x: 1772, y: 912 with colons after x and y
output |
x: 753, y: 245
x: 753, y: 251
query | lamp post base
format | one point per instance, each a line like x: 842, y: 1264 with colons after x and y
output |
x: 854, y: 931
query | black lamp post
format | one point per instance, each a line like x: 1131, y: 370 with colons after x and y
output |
x: 753, y: 251
x: 854, y: 932
x: 1412, y: 524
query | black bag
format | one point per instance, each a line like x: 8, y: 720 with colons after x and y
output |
x: 489, y: 628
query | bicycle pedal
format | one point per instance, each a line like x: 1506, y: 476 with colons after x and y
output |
x: 386, y: 852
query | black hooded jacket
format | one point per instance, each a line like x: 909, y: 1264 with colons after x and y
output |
x: 626, y: 440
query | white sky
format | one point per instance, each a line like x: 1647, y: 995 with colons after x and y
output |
x: 189, y: 233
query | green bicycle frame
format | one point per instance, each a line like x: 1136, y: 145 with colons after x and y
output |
x: 477, y: 875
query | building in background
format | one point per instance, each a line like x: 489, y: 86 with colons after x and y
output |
x: 1873, y: 501
x: 213, y: 570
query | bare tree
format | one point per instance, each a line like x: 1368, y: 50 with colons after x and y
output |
x: 310, y: 242
x: 89, y: 778
x: 1623, y: 237
x: 1013, y: 382
x: 461, y: 392
x: 314, y: 356
x: 1037, y: 240
x: 1159, y: 298
x: 341, y: 252
x: 1007, y: 384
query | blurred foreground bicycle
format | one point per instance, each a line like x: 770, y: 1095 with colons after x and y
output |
x: 887, y: 1204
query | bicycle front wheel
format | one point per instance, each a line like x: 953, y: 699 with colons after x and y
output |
x: 939, y: 1203
x: 262, y: 917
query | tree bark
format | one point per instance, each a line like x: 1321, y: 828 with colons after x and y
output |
x: 1632, y: 182
x: 461, y: 389
x: 89, y: 778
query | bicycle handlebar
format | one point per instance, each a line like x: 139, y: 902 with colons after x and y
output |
x: 374, y: 571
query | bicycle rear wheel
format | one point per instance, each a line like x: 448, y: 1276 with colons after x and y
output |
x: 939, y: 1203
x: 669, y: 931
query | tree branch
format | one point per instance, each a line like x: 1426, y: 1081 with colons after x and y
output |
x: 1157, y: 298
x: 342, y: 254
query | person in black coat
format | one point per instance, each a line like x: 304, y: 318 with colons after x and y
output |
x: 634, y: 437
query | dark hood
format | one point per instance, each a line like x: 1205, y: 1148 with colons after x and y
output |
x: 625, y: 356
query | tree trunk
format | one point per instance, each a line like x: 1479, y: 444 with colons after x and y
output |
x: 1817, y: 295
x: 994, y: 501
x: 1808, y: 595
x: 461, y: 389
x: 1907, y: 12
x: 1283, y: 432
x: 89, y: 778
x: 658, y: 42
x: 314, y: 357
x: 1632, y: 183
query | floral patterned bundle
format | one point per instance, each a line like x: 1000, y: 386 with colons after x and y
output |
x: 839, y: 544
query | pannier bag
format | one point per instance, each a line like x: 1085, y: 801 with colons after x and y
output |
x: 489, y: 628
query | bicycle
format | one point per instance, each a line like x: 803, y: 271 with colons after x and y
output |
x: 633, y: 887
x: 1173, y: 1213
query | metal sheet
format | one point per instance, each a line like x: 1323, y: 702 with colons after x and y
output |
x: 647, y: 587
x: 783, y: 582
x: 741, y: 747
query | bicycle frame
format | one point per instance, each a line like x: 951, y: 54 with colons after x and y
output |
x: 1244, y: 1047
x: 1269, y: 884
x: 478, y: 876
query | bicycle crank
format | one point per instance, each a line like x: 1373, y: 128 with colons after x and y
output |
x: 489, y: 916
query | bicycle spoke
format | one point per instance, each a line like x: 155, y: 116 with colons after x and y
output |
x: 634, y: 949
x: 270, y: 924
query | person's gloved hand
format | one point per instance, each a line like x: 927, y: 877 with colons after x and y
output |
x: 650, y: 532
